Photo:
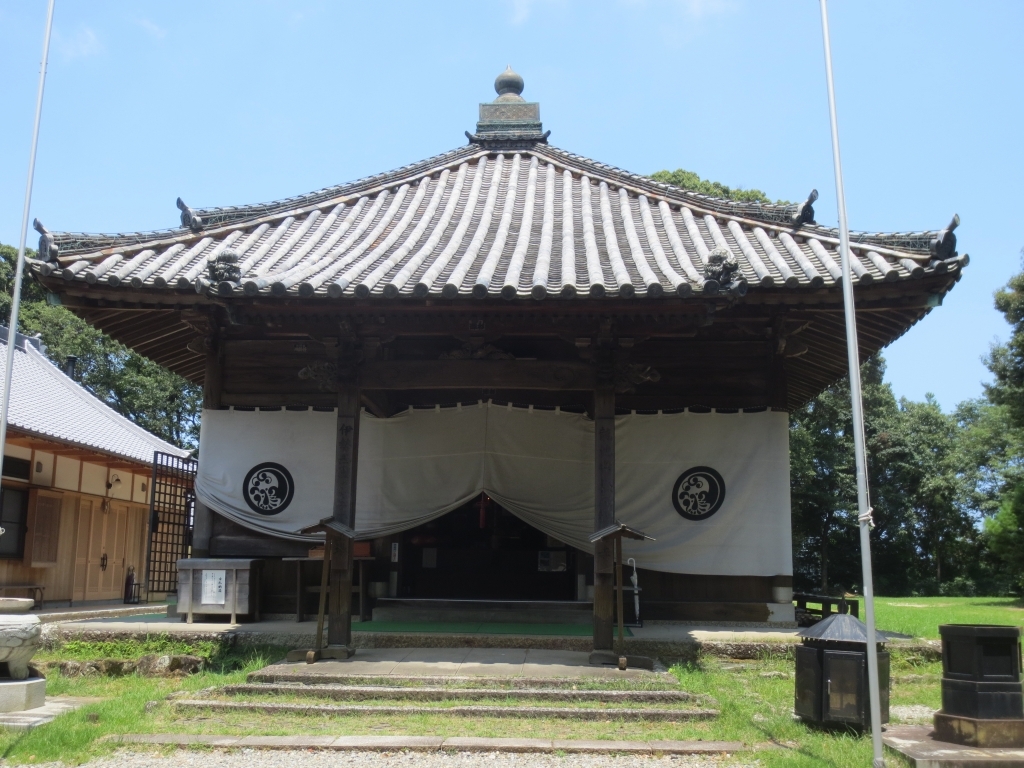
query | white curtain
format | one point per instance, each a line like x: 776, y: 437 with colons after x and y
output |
x: 539, y: 465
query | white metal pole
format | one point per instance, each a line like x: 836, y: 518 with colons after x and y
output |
x: 853, y: 357
x: 19, y: 270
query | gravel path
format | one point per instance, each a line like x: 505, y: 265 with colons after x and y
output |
x: 250, y: 758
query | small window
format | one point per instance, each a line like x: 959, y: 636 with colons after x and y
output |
x: 17, y: 469
x: 13, y: 506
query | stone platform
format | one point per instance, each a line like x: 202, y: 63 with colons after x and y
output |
x: 452, y: 665
x: 915, y: 742
x: 668, y: 641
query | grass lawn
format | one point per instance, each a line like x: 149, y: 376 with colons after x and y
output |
x: 755, y: 699
x: 921, y: 616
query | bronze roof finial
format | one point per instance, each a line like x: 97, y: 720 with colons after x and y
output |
x: 509, y: 85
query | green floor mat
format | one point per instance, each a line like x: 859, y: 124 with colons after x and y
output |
x: 477, y: 628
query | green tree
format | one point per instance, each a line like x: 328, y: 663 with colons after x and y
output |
x: 153, y: 397
x: 999, y: 428
x: 691, y: 181
x: 1006, y: 361
x: 1005, y: 534
x: 922, y: 488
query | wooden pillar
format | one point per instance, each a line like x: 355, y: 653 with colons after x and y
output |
x: 339, y: 616
x: 202, y: 515
x: 604, y: 512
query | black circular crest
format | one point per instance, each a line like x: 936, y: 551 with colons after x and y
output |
x: 698, y: 493
x: 268, y: 488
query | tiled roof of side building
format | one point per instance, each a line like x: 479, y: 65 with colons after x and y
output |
x: 48, y: 404
x: 508, y: 215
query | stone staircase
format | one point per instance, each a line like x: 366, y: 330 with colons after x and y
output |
x: 654, y: 699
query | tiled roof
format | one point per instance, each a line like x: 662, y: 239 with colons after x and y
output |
x: 486, y: 221
x: 48, y: 404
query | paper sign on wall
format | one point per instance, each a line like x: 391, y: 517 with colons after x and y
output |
x: 213, y: 587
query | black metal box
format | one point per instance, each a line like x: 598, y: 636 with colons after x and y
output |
x: 981, y: 668
x: 982, y: 653
x: 987, y: 701
x: 832, y: 683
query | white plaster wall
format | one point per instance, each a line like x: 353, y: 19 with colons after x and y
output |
x: 66, y: 473
x: 17, y: 451
x: 140, y: 488
x: 94, y: 479
x: 44, y: 465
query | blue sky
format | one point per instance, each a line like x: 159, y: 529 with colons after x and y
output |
x: 237, y: 102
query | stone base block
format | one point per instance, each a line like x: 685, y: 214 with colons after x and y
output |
x: 331, y: 652
x: 975, y: 732
x: 19, y: 695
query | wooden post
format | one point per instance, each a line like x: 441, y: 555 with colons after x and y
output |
x: 604, y: 512
x: 620, y: 592
x: 339, y: 623
x: 202, y: 519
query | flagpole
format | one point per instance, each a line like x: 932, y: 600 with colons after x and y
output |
x: 19, y: 270
x: 860, y: 452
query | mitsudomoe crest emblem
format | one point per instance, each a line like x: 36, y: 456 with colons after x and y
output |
x: 698, y: 493
x: 268, y: 488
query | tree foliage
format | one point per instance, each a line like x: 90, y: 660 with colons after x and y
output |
x: 153, y: 397
x: 691, y: 181
x: 1004, y: 531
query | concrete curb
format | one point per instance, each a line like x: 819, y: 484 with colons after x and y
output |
x: 433, y: 744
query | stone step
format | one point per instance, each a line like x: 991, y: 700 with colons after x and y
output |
x: 434, y: 744
x: 432, y: 693
x: 650, y: 680
x: 402, y: 609
x: 519, y: 712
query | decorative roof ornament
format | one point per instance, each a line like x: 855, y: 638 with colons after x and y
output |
x: 721, y: 274
x: 509, y: 121
x: 944, y: 245
x: 48, y: 248
x: 509, y: 85
x: 804, y: 213
x: 189, y: 218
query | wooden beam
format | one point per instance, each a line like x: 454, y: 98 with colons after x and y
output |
x: 483, y: 374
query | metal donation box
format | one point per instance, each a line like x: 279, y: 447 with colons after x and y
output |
x: 832, y: 673
x: 218, y: 586
x: 982, y: 701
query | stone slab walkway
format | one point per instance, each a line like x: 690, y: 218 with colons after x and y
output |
x: 32, y: 718
x: 436, y: 743
x: 452, y: 664
x: 916, y: 744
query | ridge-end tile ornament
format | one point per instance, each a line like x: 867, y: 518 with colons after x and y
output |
x: 721, y: 274
x: 48, y: 248
x: 698, y: 493
x: 224, y: 268
x: 944, y: 245
x: 189, y: 218
x: 804, y: 213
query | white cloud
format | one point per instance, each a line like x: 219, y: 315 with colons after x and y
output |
x: 81, y: 44
x: 153, y: 29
